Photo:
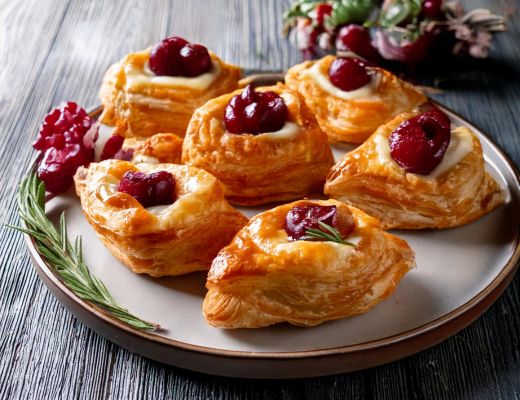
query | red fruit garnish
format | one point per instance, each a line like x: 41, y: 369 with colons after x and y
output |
x: 322, y: 10
x: 66, y: 142
x: 255, y: 112
x: 348, y: 73
x: 114, y: 149
x: 355, y: 38
x: 301, y: 218
x: 175, y: 56
x: 150, y: 190
x: 432, y: 9
x: 419, y: 144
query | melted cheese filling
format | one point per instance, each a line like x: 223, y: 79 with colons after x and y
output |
x: 323, y: 81
x: 144, y: 76
x: 288, y: 131
x: 109, y: 188
x: 143, y: 158
x: 461, y: 144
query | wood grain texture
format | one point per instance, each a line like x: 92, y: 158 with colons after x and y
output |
x: 55, y: 50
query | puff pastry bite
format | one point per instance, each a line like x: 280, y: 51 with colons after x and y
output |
x: 274, y: 270
x: 157, y: 90
x: 350, y: 99
x: 415, y: 172
x: 263, y: 145
x: 157, y: 149
x: 161, y: 219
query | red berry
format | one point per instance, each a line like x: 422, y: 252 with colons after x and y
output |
x: 150, y: 190
x: 356, y: 39
x: 255, y: 112
x: 66, y: 141
x: 419, y: 144
x: 114, y: 149
x: 348, y: 73
x: 322, y: 10
x: 175, y: 56
x: 432, y: 9
x: 301, y: 218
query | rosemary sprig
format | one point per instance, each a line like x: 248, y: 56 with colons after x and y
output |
x: 65, y: 258
x: 332, y: 234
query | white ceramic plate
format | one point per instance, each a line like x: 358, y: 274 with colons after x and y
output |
x: 459, y: 273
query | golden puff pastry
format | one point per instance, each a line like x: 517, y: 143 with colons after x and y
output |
x: 162, y: 240
x: 140, y: 103
x: 458, y: 191
x: 352, y: 116
x: 257, y: 169
x: 159, y: 148
x: 262, y: 278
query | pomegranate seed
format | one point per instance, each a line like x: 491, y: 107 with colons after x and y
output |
x: 66, y: 142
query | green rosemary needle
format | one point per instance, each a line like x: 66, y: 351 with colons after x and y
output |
x: 65, y: 258
x: 332, y: 234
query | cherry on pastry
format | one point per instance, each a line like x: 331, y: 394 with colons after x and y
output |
x: 150, y: 190
x: 255, y: 112
x: 301, y: 218
x: 66, y: 142
x: 347, y: 73
x: 175, y: 56
x: 114, y: 149
x: 418, y: 145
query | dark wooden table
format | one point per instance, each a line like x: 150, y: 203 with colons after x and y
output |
x: 52, y: 51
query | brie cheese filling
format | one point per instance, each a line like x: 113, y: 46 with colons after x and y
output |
x: 288, y: 131
x: 323, y: 81
x: 142, y: 76
x: 143, y: 158
x: 461, y: 144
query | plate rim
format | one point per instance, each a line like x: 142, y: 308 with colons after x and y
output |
x: 508, y: 271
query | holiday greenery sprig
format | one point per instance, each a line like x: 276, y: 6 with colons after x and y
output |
x: 65, y: 258
x: 395, y: 30
x: 330, y: 234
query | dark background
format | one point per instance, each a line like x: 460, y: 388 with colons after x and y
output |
x: 52, y: 51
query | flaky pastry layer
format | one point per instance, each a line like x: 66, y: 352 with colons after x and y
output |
x: 353, y: 121
x: 257, y: 169
x: 159, y: 148
x: 409, y: 201
x: 261, y: 278
x: 183, y: 237
x: 145, y: 109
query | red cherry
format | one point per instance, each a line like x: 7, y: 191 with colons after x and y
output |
x: 348, y: 73
x: 301, y: 218
x: 255, y: 112
x: 174, y: 56
x: 355, y: 38
x: 322, y: 10
x: 418, y: 145
x: 150, y: 190
x: 432, y: 9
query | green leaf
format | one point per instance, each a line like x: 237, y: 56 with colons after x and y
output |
x: 350, y: 11
x: 331, y: 234
x: 399, y: 11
